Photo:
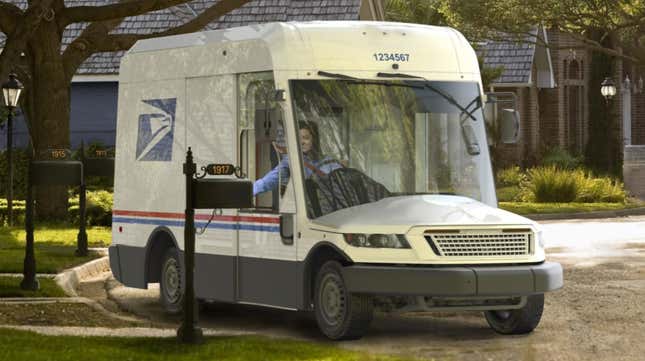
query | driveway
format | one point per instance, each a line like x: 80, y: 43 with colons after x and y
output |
x: 598, y: 315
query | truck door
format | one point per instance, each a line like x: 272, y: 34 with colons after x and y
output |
x: 211, y: 133
x: 266, y: 268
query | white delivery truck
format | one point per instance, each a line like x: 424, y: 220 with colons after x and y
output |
x: 367, y: 144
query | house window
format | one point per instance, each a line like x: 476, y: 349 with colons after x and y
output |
x: 574, y: 105
x: 573, y: 71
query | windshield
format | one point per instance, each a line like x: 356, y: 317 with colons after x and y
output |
x: 366, y: 140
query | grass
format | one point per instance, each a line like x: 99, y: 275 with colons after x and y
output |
x: 543, y: 208
x: 54, y: 247
x: 22, y: 345
x: 10, y: 287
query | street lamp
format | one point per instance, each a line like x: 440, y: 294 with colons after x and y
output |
x: 11, y: 93
x: 607, y: 88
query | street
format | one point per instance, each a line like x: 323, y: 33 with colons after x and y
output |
x: 599, y: 314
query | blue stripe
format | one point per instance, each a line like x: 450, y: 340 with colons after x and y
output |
x: 169, y: 223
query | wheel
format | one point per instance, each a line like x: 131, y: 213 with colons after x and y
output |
x: 518, y: 321
x: 171, y: 292
x: 339, y: 314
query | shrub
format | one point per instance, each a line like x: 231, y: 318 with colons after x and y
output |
x: 602, y: 189
x: 20, y: 169
x: 550, y: 184
x: 98, y: 208
x: 560, y: 158
x: 512, y: 176
x: 98, y: 211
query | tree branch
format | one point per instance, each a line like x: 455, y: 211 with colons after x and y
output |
x: 116, y: 42
x: 9, y: 15
x: 77, y: 14
x: 21, y: 34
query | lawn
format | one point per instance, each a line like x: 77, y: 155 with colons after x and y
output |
x: 543, y: 208
x: 21, y: 345
x: 54, y: 247
x: 10, y: 287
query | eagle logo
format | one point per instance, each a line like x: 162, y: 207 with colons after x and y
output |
x: 156, y: 130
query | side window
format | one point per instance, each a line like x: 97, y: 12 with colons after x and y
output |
x: 263, y: 139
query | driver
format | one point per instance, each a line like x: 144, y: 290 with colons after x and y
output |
x: 312, y: 161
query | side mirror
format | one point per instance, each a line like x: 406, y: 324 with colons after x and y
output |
x: 509, y: 126
x: 286, y: 228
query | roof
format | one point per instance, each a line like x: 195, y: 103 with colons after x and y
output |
x: 255, y: 12
x: 513, y: 55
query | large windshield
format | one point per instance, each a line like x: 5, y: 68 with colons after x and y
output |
x: 374, y: 139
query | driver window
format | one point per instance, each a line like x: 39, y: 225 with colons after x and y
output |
x: 263, y: 139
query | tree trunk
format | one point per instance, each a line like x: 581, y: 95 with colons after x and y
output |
x: 48, y: 104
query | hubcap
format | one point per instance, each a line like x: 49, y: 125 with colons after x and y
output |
x: 503, y: 315
x: 172, y: 286
x: 332, y: 300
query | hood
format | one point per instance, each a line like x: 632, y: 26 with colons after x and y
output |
x: 399, y: 214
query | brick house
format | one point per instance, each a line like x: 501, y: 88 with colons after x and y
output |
x: 552, y: 84
x: 95, y: 86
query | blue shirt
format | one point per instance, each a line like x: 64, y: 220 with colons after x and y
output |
x: 270, y: 180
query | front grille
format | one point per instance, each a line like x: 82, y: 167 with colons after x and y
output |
x: 457, y: 244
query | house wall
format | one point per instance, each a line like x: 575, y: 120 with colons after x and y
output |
x: 92, y: 118
x: 555, y: 120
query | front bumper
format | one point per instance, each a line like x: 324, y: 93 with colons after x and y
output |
x: 464, y: 281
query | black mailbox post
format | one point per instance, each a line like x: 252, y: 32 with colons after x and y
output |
x: 205, y: 193
x: 100, y: 165
x: 44, y: 172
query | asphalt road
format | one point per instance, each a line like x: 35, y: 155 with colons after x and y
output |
x: 598, y: 315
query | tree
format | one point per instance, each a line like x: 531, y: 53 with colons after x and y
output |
x: 609, y: 29
x: 589, y: 21
x: 34, y: 50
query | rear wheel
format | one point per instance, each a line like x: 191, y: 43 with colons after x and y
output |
x: 171, y: 291
x: 518, y: 321
x: 340, y: 315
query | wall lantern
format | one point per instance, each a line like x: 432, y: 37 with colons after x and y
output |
x: 608, y: 88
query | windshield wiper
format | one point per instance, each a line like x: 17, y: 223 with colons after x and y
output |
x: 448, y: 97
x: 336, y: 75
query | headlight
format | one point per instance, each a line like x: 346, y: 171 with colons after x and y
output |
x: 539, y: 237
x: 377, y: 240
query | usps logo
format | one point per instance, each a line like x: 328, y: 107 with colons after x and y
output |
x: 156, y: 130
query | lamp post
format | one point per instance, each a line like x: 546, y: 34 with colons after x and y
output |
x: 608, y: 90
x: 11, y: 93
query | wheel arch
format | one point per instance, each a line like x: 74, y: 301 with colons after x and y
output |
x: 317, y: 256
x: 159, y: 241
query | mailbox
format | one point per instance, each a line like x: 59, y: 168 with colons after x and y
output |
x: 222, y: 193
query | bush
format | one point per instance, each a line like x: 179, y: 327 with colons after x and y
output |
x: 512, y: 176
x: 561, y: 159
x: 552, y: 184
x: 20, y: 169
x: 602, y: 189
x: 98, y: 209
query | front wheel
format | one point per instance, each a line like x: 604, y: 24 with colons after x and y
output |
x: 518, y: 321
x: 171, y: 291
x: 340, y: 315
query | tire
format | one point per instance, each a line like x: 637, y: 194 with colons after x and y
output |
x: 340, y: 315
x: 171, y: 288
x: 519, y: 321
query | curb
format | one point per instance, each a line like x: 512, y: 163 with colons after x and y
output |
x: 587, y: 215
x: 69, y: 279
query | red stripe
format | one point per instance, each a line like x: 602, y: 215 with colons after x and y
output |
x: 254, y: 219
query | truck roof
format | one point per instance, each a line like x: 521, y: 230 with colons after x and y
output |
x: 352, y: 46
